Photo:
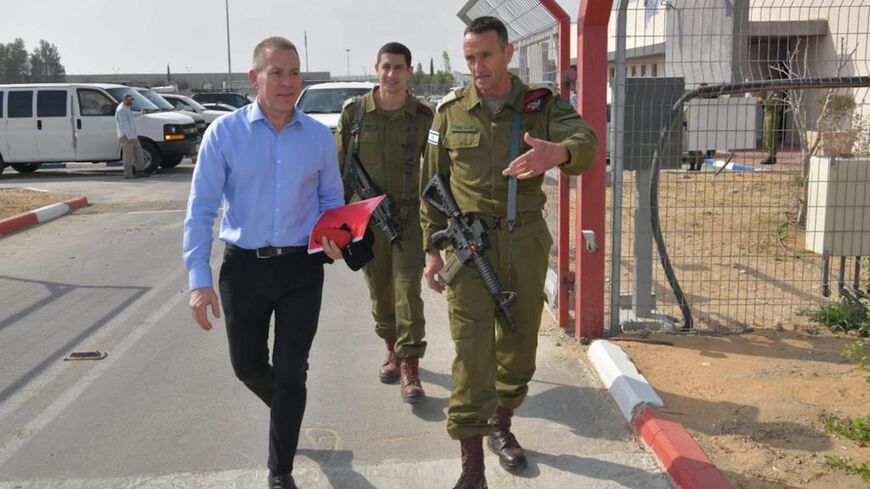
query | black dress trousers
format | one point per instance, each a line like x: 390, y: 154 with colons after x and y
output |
x: 252, y: 289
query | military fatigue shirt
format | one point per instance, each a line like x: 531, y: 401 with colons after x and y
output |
x: 383, y: 145
x: 472, y: 147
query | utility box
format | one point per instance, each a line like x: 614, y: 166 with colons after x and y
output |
x: 648, y: 103
x: 838, y: 206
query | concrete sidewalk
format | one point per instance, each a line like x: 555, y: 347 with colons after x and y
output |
x: 370, y: 439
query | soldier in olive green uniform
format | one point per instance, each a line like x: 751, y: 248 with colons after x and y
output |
x: 391, y: 128
x: 774, y: 103
x: 470, y: 145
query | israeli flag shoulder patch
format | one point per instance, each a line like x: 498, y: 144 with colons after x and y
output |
x: 433, y: 137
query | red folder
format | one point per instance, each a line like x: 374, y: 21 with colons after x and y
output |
x: 356, y: 216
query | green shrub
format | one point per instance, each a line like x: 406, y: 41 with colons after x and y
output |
x: 841, y: 463
x: 857, y: 429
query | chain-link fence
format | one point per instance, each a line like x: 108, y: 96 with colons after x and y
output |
x: 757, y: 116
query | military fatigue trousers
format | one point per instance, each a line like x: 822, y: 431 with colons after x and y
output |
x: 394, y: 278
x: 493, y: 363
x: 772, y: 116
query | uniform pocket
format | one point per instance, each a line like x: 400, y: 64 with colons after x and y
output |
x: 463, y: 147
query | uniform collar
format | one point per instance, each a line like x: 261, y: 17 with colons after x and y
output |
x: 518, y: 91
x: 410, y: 106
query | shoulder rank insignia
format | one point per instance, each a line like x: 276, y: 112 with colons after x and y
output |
x: 537, y: 96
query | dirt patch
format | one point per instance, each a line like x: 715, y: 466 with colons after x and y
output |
x: 14, y: 201
x: 756, y: 402
x: 754, y: 385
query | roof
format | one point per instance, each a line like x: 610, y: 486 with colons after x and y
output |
x: 522, y: 18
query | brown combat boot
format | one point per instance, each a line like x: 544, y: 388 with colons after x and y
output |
x: 473, y: 476
x: 503, y: 443
x: 389, y: 372
x: 412, y: 391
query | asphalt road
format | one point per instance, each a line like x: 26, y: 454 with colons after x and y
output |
x: 163, y: 409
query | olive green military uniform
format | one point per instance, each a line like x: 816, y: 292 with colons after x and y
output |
x: 773, y: 106
x: 394, y: 274
x: 493, y: 363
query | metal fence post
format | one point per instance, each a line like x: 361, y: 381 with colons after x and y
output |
x: 592, y: 23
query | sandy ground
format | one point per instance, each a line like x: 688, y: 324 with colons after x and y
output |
x: 16, y: 201
x: 756, y: 379
x: 756, y: 402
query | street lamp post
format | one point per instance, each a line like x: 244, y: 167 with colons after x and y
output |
x: 348, y: 62
x: 229, y: 63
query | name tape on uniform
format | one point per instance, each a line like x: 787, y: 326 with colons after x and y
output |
x: 433, y: 137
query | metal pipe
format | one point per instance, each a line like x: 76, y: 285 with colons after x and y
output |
x: 229, y: 62
x: 826, y: 271
x: 617, y: 126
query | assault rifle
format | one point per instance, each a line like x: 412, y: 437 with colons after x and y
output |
x: 361, y: 184
x: 470, y: 238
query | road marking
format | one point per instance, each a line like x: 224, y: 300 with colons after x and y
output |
x: 158, y: 212
x: 31, y: 429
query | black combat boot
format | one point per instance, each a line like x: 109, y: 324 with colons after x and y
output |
x: 503, y: 443
x: 472, y: 464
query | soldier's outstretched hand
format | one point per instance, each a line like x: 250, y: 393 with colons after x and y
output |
x: 543, y: 156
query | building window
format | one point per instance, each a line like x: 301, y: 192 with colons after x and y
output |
x: 612, y: 73
x: 633, y: 71
x: 642, y: 70
x: 655, y: 70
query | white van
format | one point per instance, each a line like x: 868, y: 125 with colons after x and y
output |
x: 58, y: 122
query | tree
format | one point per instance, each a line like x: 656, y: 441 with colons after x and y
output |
x: 798, y: 67
x: 14, y: 65
x: 445, y: 60
x: 45, y: 65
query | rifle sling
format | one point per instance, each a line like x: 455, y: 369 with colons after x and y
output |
x: 405, y: 206
x: 512, y: 180
x: 359, y: 107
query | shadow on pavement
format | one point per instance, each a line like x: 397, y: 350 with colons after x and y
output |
x: 56, y: 291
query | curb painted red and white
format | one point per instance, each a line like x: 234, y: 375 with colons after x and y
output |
x: 41, y: 215
x: 679, y: 455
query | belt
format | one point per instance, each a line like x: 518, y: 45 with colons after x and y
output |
x: 500, y: 222
x: 268, y: 251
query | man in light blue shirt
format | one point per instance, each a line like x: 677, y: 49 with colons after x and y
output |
x: 131, y: 149
x: 274, y: 170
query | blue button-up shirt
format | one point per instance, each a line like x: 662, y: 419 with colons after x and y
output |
x: 273, y: 185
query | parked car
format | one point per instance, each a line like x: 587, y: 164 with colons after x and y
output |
x: 60, y: 122
x: 324, y: 101
x: 162, y: 104
x: 182, y: 102
x: 219, y: 107
x: 224, y: 97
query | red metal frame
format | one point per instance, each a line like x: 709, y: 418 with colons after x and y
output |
x: 591, y: 102
x: 563, y: 212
